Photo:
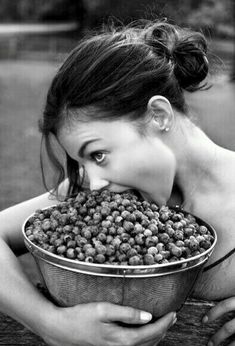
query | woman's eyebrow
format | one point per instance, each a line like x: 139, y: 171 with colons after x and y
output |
x: 84, y: 145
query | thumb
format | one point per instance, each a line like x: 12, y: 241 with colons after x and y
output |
x: 125, y: 314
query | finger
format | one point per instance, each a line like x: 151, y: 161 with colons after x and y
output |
x: 152, y: 331
x: 151, y: 343
x: 220, y: 309
x: 116, y: 313
x: 154, y: 342
x: 225, y: 332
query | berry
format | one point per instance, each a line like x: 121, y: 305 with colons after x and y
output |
x: 152, y: 250
x: 149, y: 259
x: 134, y: 261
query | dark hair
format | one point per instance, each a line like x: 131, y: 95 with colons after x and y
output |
x: 116, y: 72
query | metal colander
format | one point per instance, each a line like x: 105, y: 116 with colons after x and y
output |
x: 158, y: 288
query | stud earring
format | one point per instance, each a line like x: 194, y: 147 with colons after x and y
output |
x: 166, y: 129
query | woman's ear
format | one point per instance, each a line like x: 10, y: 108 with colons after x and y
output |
x: 160, y: 110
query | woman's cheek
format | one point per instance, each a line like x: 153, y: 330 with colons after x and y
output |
x: 146, y: 170
x: 138, y: 174
x: 153, y: 179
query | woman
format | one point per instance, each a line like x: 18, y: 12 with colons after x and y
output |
x: 117, y: 108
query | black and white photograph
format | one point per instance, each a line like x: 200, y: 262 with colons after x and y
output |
x: 117, y: 172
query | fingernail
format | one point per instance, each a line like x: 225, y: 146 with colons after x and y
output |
x: 145, y: 316
x: 205, y: 320
x: 210, y: 343
x: 175, y: 320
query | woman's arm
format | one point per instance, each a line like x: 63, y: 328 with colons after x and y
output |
x: 18, y: 297
x: 11, y: 220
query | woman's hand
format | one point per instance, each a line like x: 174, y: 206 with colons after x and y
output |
x: 228, y: 329
x: 98, y: 324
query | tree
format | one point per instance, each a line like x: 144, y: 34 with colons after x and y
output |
x: 213, y: 16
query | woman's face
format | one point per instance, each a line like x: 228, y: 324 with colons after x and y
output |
x: 117, y: 157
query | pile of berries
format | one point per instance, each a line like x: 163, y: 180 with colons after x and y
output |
x: 117, y: 228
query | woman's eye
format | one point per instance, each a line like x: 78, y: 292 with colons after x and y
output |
x: 98, y: 156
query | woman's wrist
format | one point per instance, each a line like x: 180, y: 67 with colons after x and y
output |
x: 47, y: 319
x: 39, y: 314
x: 54, y: 324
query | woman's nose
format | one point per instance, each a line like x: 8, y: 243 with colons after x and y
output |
x: 98, y: 184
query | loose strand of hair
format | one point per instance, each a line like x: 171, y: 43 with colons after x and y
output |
x: 56, y: 166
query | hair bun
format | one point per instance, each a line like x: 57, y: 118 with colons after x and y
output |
x: 185, y: 48
x: 190, y: 62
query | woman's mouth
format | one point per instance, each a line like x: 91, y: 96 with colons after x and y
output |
x: 119, y: 188
x: 122, y: 188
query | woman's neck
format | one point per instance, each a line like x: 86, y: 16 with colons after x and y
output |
x: 197, y: 158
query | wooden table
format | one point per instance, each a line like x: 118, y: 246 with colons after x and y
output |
x: 188, y: 331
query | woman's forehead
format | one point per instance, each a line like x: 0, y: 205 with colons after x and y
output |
x: 112, y: 134
x: 97, y: 128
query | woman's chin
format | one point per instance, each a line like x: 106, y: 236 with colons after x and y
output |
x: 159, y: 200
x: 120, y: 189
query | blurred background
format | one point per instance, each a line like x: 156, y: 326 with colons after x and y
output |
x: 36, y: 36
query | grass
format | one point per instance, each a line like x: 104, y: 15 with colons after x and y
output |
x: 23, y: 86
